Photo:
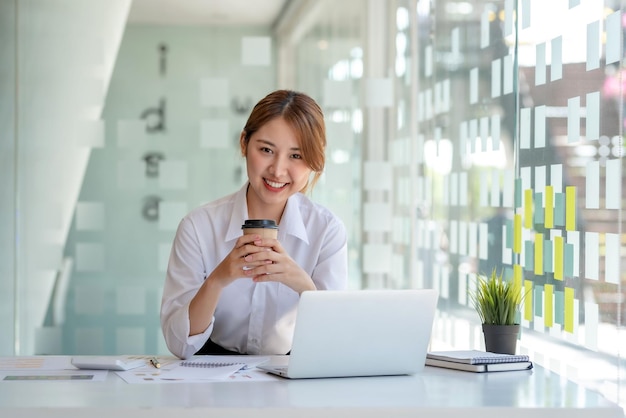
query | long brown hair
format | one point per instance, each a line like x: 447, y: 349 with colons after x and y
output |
x: 304, y: 116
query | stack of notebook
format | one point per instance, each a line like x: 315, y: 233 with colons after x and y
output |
x: 478, y: 361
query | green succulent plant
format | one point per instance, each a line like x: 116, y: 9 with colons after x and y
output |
x: 497, y: 300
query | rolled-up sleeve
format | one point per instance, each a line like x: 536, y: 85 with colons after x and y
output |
x: 331, y: 271
x: 185, y: 275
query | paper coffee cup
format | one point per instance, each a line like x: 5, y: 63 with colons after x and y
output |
x: 266, y: 228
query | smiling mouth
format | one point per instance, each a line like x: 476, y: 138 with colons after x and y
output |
x: 273, y: 184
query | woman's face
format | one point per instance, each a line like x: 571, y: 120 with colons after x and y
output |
x: 275, y: 166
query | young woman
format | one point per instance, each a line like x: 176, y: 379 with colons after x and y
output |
x: 229, y: 293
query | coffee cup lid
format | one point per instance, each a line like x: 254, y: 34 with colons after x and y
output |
x: 259, y: 223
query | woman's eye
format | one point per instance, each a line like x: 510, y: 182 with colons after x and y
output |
x: 265, y: 149
x: 296, y: 156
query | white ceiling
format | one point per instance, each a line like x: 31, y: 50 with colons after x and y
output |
x: 203, y: 12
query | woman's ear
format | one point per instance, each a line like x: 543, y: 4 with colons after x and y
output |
x: 243, y: 143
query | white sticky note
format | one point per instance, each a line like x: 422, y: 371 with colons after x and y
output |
x: 613, y: 184
x: 130, y: 300
x: 170, y: 214
x: 88, y: 299
x: 379, y: 92
x: 593, y: 45
x: 525, y: 14
x: 214, y: 134
x: 613, y: 48
x: 495, y: 188
x: 592, y: 249
x: 540, y: 67
x: 473, y: 86
x: 429, y: 112
x: 463, y: 189
x: 421, y: 106
x: 484, y: 28
x: 592, y: 116
x: 508, y: 189
x: 90, y: 216
x: 419, y: 233
x: 376, y: 258
x: 463, y: 238
x: 507, y: 253
x: 377, y: 217
x: 495, y: 132
x: 525, y: 120
x: 540, y: 181
x: 89, y: 256
x: 472, y: 136
x: 573, y: 237
x: 256, y: 50
x: 508, y: 17
x: 573, y: 120
x: 214, y: 92
x: 592, y: 185
x: 455, y: 43
x: 556, y: 177
x: 341, y: 136
x: 377, y: 175
x: 507, y: 74
x: 525, y: 175
x: 612, y: 258
x: 131, y: 133
x: 540, y: 127
x: 454, y: 231
x: 428, y: 61
x: 496, y: 78
x: 337, y: 93
x: 483, y: 241
x: 556, y: 65
x: 173, y: 175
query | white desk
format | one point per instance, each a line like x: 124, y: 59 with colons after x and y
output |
x: 436, y: 392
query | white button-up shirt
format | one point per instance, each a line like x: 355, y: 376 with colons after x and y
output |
x: 252, y: 318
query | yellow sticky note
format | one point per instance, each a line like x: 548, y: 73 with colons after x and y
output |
x: 517, y: 234
x: 548, y: 218
x: 528, y: 300
x: 548, y: 314
x: 570, y: 208
x: 558, y: 258
x: 569, y: 310
x: 539, y: 254
x: 528, y: 208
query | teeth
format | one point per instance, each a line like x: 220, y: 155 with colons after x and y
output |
x: 275, y: 185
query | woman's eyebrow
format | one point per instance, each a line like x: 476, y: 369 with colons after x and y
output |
x: 271, y: 144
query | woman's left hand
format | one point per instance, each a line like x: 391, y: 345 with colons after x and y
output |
x: 278, y: 267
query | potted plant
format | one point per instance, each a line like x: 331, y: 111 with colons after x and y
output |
x: 497, y: 302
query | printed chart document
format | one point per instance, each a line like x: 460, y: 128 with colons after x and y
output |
x: 478, y: 361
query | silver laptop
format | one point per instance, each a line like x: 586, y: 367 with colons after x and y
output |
x: 341, y: 333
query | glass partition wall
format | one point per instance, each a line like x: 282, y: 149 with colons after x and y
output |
x: 463, y: 137
x: 489, y: 136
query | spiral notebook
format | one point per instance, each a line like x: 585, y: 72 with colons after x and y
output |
x: 214, y: 361
x: 476, y: 357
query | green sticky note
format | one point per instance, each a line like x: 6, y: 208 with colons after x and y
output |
x: 559, y: 307
x: 559, y: 209
x: 547, y: 257
x: 539, y: 211
x: 509, y: 233
x: 538, y: 297
x: 568, y: 260
x: 518, y: 193
x: 529, y: 261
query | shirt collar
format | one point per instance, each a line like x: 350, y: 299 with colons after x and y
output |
x: 292, y: 222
